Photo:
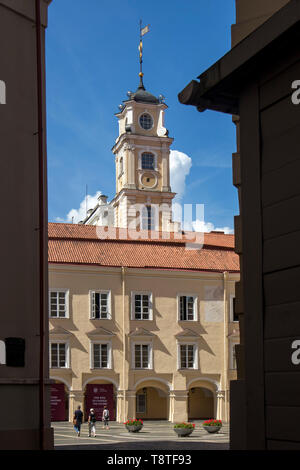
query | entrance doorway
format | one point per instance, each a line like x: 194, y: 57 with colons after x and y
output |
x: 152, y: 403
x: 98, y: 395
x: 59, y: 402
x: 200, y: 403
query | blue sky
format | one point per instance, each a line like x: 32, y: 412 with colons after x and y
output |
x: 91, y: 63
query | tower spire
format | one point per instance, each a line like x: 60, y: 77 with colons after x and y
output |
x: 142, y: 32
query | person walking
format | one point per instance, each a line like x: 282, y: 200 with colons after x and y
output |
x: 92, y: 423
x: 77, y: 420
x: 105, y: 418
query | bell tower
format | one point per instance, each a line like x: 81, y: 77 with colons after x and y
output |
x: 143, y: 194
x: 142, y: 152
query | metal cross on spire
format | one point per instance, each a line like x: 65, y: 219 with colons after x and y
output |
x: 143, y: 31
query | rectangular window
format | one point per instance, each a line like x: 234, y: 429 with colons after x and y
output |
x: 187, y: 308
x: 142, y: 307
x: 58, y: 355
x: 101, y: 356
x: 141, y: 356
x: 187, y: 356
x: 141, y: 403
x: 233, y: 357
x: 100, y: 308
x: 148, y: 218
x: 233, y: 316
x: 58, y: 304
x: 147, y: 161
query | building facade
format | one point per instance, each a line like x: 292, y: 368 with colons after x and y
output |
x: 141, y: 315
x: 145, y: 326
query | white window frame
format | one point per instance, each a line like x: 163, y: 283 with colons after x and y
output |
x: 150, y: 354
x: 145, y: 217
x: 101, y: 291
x: 67, y: 366
x: 231, y: 315
x: 109, y: 354
x: 196, y: 353
x: 133, y: 294
x: 195, y: 297
x: 232, y: 351
x: 2, y: 353
x: 67, y: 296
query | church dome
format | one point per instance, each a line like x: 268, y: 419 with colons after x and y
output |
x: 144, y: 96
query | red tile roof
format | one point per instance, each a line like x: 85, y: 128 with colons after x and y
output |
x: 80, y: 244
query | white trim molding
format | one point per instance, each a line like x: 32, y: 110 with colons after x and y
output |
x: 100, y: 377
x: 231, y: 311
x: 158, y: 379
x: 232, y: 344
x: 61, y: 379
x: 204, y: 379
x: 145, y: 111
x: 147, y: 150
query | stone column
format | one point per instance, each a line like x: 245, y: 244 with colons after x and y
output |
x: 126, y: 405
x: 131, y: 404
x: 120, y: 406
x: 130, y: 166
x: 178, y: 406
x: 76, y: 397
x: 165, y: 170
x: 220, y: 404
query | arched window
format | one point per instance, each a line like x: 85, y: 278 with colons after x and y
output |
x: 148, y: 218
x: 148, y: 161
x: 121, y: 169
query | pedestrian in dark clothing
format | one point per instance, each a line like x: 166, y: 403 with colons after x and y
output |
x: 77, y: 420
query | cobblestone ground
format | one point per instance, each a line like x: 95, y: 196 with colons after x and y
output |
x: 155, y: 435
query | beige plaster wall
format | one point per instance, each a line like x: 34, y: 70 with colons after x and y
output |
x: 162, y: 330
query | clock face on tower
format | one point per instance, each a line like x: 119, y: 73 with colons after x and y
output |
x: 148, y: 180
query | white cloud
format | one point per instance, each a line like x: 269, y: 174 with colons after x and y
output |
x: 202, y: 226
x: 76, y: 215
x: 180, y: 165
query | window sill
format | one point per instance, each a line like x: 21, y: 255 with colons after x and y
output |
x: 59, y: 318
x: 96, y: 319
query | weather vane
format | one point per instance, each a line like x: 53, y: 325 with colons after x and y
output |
x: 143, y: 31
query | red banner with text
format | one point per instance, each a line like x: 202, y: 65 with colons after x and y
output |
x: 58, y: 410
x: 97, y: 396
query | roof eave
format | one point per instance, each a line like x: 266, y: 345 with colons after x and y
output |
x: 219, y: 86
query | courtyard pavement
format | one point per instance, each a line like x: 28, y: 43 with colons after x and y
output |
x: 155, y: 435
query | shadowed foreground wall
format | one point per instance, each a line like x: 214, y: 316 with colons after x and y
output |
x: 20, y: 425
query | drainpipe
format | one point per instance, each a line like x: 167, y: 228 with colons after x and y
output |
x: 124, y: 345
x: 41, y: 225
x: 226, y: 319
